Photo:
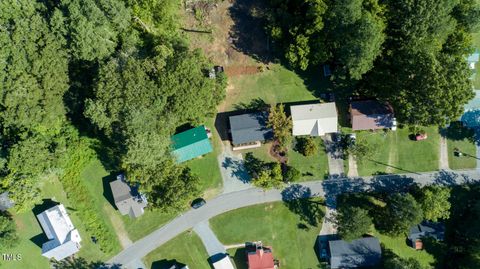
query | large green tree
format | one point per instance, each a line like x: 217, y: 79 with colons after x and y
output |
x: 434, y: 201
x: 400, y: 213
x: 353, y: 222
x: 8, y: 235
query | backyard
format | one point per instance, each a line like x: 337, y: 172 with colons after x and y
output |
x: 291, y: 238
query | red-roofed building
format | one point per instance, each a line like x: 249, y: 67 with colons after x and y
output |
x: 260, y: 257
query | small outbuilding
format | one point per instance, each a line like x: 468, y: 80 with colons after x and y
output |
x: 64, y: 239
x: 314, y: 119
x: 363, y: 252
x: 127, y: 199
x: 223, y: 262
x: 371, y: 115
x: 249, y: 130
x: 425, y: 229
x: 191, y: 144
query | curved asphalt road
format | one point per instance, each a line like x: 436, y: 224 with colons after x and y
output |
x: 327, y: 188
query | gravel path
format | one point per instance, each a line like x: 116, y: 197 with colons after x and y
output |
x: 443, y: 153
x: 235, y: 176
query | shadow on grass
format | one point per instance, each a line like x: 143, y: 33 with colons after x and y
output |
x: 166, y: 264
x: 240, y: 258
x: 37, y: 209
x: 297, y: 199
x: 107, y: 191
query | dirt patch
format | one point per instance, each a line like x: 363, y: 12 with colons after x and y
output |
x: 275, y: 152
x: 242, y: 70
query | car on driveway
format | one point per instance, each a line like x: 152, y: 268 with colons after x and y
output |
x: 197, y: 203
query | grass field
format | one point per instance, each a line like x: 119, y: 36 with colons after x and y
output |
x: 395, y: 152
x: 277, y: 85
x: 186, y: 248
x: 273, y: 224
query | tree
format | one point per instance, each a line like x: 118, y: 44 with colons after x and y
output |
x: 292, y: 174
x: 8, y: 235
x: 81, y: 263
x: 269, y: 178
x: 434, y: 201
x: 307, y: 146
x: 356, y: 33
x: 400, y: 213
x: 281, y: 125
x: 94, y: 27
x: 352, y: 222
x: 360, y: 149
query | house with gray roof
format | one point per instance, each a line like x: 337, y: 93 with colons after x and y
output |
x: 425, y: 229
x: 361, y: 252
x: 127, y: 199
x: 249, y: 130
x: 5, y: 201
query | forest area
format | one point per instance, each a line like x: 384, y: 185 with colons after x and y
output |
x: 118, y: 77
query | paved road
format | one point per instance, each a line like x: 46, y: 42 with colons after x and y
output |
x: 328, y: 188
x: 209, y: 239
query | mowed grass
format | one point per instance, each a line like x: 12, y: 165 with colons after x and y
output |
x: 273, y: 224
x: 398, y: 245
x: 31, y: 235
x: 186, y: 248
x: 277, y: 85
x: 462, y: 139
x: 206, y: 167
x: 395, y: 152
x: 313, y: 167
x: 147, y: 223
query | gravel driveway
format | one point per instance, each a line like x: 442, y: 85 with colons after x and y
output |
x: 234, y: 174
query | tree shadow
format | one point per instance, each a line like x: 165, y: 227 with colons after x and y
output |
x: 297, y: 198
x: 107, y: 190
x: 254, y: 105
x: 167, y: 264
x: 238, y: 169
x: 448, y: 178
x: 247, y: 33
x: 437, y: 249
x: 388, y: 183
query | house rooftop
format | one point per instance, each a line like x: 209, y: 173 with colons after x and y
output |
x: 313, y: 111
x: 126, y: 198
x: 427, y: 229
x: 64, y: 239
x: 191, y: 144
x: 189, y: 137
x: 361, y: 252
x: 247, y: 128
x: 261, y: 258
x: 370, y: 115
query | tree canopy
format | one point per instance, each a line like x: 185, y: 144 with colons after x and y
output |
x: 400, y: 213
x: 353, y: 222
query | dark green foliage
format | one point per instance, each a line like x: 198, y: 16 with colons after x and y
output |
x: 81, y: 263
x: 291, y: 174
x: 352, y: 222
x: 8, y: 235
x: 400, y: 213
x: 281, y: 125
x: 434, y: 201
x: 361, y: 149
x: 264, y: 175
x: 306, y: 146
x: 76, y: 159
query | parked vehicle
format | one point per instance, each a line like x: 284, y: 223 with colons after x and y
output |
x: 197, y: 203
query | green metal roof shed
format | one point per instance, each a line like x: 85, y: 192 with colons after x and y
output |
x: 191, y: 144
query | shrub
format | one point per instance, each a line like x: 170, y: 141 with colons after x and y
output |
x: 307, y: 146
x: 291, y: 174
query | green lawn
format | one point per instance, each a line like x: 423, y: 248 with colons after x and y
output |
x: 31, y: 235
x: 186, y: 248
x: 147, y: 223
x: 395, y: 152
x: 206, y: 167
x: 273, y: 224
x: 313, y: 167
x: 398, y: 245
x: 277, y: 85
x: 463, y: 139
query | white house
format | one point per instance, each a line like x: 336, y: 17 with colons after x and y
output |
x: 64, y: 239
x: 314, y: 119
x: 223, y: 263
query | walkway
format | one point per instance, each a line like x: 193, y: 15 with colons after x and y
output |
x: 209, y: 239
x: 235, y: 176
x: 352, y: 166
x: 327, y: 188
x: 443, y: 153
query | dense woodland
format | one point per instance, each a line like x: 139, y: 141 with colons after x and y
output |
x: 410, y: 53
x: 117, y: 72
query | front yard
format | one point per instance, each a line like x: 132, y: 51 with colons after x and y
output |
x: 396, y: 152
x: 187, y: 248
x: 292, y: 239
x: 461, y: 139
